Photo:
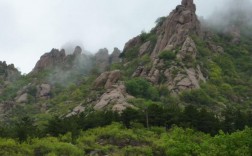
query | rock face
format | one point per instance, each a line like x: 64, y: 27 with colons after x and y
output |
x: 77, y: 110
x: 115, y: 99
x: 50, y: 60
x: 8, y: 72
x: 178, y: 25
x: 102, y: 59
x: 44, y: 91
x: 188, y: 50
x: 59, y: 59
x: 107, y: 79
x: 22, y: 98
x: 114, y: 57
x: 173, y: 35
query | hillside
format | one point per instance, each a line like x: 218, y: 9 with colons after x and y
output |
x: 184, y: 72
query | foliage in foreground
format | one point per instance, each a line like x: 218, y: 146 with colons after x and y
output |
x: 115, y: 139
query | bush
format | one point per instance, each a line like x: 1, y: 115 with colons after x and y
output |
x: 198, y: 97
x: 167, y: 55
x: 141, y: 88
x: 9, y: 147
x: 52, y: 146
x: 131, y: 53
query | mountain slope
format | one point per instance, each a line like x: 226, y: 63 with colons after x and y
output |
x: 179, y: 62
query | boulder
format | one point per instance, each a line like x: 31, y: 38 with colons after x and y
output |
x: 22, y: 98
x: 115, y: 98
x: 43, y: 91
x: 107, y: 79
x: 77, y: 110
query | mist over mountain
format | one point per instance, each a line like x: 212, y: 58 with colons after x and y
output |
x: 232, y: 13
x: 182, y: 88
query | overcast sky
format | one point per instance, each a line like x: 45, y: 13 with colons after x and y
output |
x: 29, y: 28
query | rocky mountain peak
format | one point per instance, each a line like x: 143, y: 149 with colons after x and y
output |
x: 172, y: 37
x: 57, y: 58
x: 181, y: 22
x: 103, y: 59
x: 189, y: 4
x: 50, y: 60
x: 114, y: 57
x: 77, y: 51
x: 8, y: 72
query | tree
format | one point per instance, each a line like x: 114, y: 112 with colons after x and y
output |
x: 129, y: 115
x: 24, y: 128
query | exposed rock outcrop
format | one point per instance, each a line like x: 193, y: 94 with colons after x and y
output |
x: 77, y: 110
x: 115, y: 96
x: 22, y: 98
x: 188, y: 50
x: 8, y: 73
x: 44, y: 91
x: 115, y: 99
x: 59, y: 60
x: 102, y: 59
x: 114, y: 57
x: 178, y: 25
x: 50, y: 60
x: 173, y: 36
x: 107, y: 79
x: 182, y: 79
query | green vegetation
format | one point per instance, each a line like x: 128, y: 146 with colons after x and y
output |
x: 148, y: 37
x: 215, y: 119
x: 160, y: 21
x: 115, y: 139
x: 141, y: 88
x: 167, y: 55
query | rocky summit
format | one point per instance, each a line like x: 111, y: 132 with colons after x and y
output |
x: 171, y: 36
x: 185, y: 73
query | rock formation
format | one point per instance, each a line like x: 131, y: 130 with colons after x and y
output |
x: 50, y: 60
x: 114, y: 57
x: 178, y: 25
x: 59, y: 59
x: 173, y: 35
x: 114, y: 98
x: 8, y: 73
x: 44, y: 91
x: 107, y: 79
x: 102, y: 59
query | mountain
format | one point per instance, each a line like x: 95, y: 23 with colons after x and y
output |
x: 185, y: 72
x: 181, y: 58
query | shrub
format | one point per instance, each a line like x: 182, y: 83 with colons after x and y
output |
x: 131, y: 53
x: 167, y: 55
x: 141, y: 88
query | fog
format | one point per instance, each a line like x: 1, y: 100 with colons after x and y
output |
x: 236, y: 13
x: 29, y: 28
